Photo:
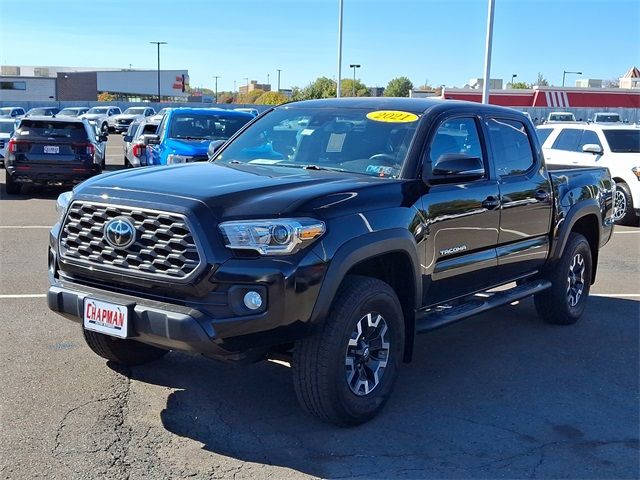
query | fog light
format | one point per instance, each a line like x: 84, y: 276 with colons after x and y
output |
x: 252, y: 300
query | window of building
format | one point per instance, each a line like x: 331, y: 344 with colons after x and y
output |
x: 511, y: 146
x: 40, y: 72
x: 13, y: 85
x: 10, y: 71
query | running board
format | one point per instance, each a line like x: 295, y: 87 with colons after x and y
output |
x: 438, y: 317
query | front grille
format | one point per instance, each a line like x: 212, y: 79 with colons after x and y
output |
x: 1, y: 143
x: 164, y: 247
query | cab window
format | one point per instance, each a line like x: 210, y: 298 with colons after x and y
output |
x: 457, y: 135
x: 511, y: 146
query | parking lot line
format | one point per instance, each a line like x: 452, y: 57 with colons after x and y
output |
x: 8, y: 227
x: 627, y: 231
x: 27, y: 295
x: 615, y: 295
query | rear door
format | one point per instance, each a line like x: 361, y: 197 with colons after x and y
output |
x: 462, y: 218
x: 525, y: 197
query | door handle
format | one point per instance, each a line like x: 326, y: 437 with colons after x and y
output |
x: 542, y: 195
x: 491, y: 202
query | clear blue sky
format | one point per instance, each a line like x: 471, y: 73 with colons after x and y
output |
x: 442, y: 41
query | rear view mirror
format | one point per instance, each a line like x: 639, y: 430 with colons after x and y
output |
x: 150, y: 139
x: 592, y: 148
x: 453, y: 167
x: 214, y: 147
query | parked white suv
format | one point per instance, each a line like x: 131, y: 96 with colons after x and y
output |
x: 103, y: 116
x: 616, y: 147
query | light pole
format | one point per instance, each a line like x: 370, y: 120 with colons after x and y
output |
x: 278, y: 70
x: 268, y: 77
x: 564, y: 73
x: 513, y: 78
x: 217, y: 77
x: 353, y: 86
x: 158, y: 45
x: 340, y: 9
x: 246, y: 79
x: 487, y: 54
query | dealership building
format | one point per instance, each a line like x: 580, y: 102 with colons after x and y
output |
x: 46, y: 83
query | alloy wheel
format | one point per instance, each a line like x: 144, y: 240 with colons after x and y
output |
x: 575, y: 279
x: 367, y: 354
x: 619, y: 206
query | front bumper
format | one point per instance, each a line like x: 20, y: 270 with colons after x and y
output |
x: 121, y: 127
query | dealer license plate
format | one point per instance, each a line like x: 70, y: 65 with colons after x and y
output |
x: 51, y: 149
x: 105, y: 317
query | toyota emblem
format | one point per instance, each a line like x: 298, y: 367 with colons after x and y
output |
x: 120, y: 233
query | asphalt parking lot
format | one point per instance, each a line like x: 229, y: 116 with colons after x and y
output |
x: 498, y: 396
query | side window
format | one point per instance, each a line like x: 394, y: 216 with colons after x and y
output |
x: 588, y: 136
x: 543, y: 134
x: 511, y: 146
x: 568, y: 139
x: 456, y: 135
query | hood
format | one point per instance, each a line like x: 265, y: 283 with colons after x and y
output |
x: 247, y: 191
x: 188, y: 147
x: 5, y: 135
x: 93, y: 116
x: 126, y: 116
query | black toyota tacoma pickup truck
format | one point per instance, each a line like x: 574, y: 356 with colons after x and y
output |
x: 329, y: 233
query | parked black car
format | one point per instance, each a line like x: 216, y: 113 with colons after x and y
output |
x: 329, y: 233
x: 58, y: 151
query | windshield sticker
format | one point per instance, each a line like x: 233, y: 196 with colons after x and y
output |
x: 379, y: 170
x: 336, y: 141
x: 306, y: 131
x: 392, y: 116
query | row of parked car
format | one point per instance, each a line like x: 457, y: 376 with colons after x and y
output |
x: 70, y: 145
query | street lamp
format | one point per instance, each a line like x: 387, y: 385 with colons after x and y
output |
x: 158, y: 45
x: 353, y: 86
x: 340, y: 9
x: 487, y: 54
x: 564, y: 73
x: 246, y: 93
x: 513, y: 78
x: 217, y: 77
x: 278, y: 70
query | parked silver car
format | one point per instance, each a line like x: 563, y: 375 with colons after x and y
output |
x: 135, y: 150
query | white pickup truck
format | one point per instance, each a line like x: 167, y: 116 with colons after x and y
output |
x: 103, y: 117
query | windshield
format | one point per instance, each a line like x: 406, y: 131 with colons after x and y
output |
x: 135, y: 110
x: 559, y: 117
x: 40, y: 111
x: 610, y: 118
x: 7, y: 127
x: 5, y: 111
x: 71, y: 112
x: 363, y: 141
x: 98, y: 110
x: 162, y: 112
x: 623, y: 141
x: 205, y: 127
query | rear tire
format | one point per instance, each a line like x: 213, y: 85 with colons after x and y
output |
x: 345, y: 373
x: 12, y: 187
x: 565, y: 301
x: 623, y: 213
x: 122, y: 351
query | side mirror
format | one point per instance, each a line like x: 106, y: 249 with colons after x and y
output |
x: 103, y: 138
x: 214, y: 147
x: 126, y: 138
x: 592, y: 148
x: 455, y: 167
x: 150, y: 139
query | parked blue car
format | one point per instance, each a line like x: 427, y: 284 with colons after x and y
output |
x: 184, y: 134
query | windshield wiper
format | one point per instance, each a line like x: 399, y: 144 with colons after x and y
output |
x: 187, y: 137
x: 317, y: 167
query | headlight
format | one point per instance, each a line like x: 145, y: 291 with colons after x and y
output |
x: 271, y: 237
x: 636, y: 172
x: 172, y: 159
x: 63, y: 201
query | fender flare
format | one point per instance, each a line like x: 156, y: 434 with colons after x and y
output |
x: 362, y: 248
x: 574, y: 214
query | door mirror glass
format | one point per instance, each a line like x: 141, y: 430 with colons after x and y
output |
x: 150, y: 139
x: 592, y: 148
x: 451, y: 167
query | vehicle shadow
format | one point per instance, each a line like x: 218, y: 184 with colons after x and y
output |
x: 482, y: 398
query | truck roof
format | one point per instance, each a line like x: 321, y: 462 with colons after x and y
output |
x: 209, y: 111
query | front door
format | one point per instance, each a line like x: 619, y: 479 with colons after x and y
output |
x: 462, y: 219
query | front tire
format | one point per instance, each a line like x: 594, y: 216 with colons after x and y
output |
x: 345, y: 373
x: 623, y: 213
x: 122, y: 351
x: 12, y: 187
x: 565, y: 301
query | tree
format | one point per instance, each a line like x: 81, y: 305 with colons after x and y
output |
x: 106, y: 97
x: 346, y: 88
x: 321, y: 87
x: 520, y: 85
x: 271, y: 98
x: 541, y: 81
x: 250, y: 97
x: 611, y: 83
x: 398, y: 87
x: 225, y: 97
